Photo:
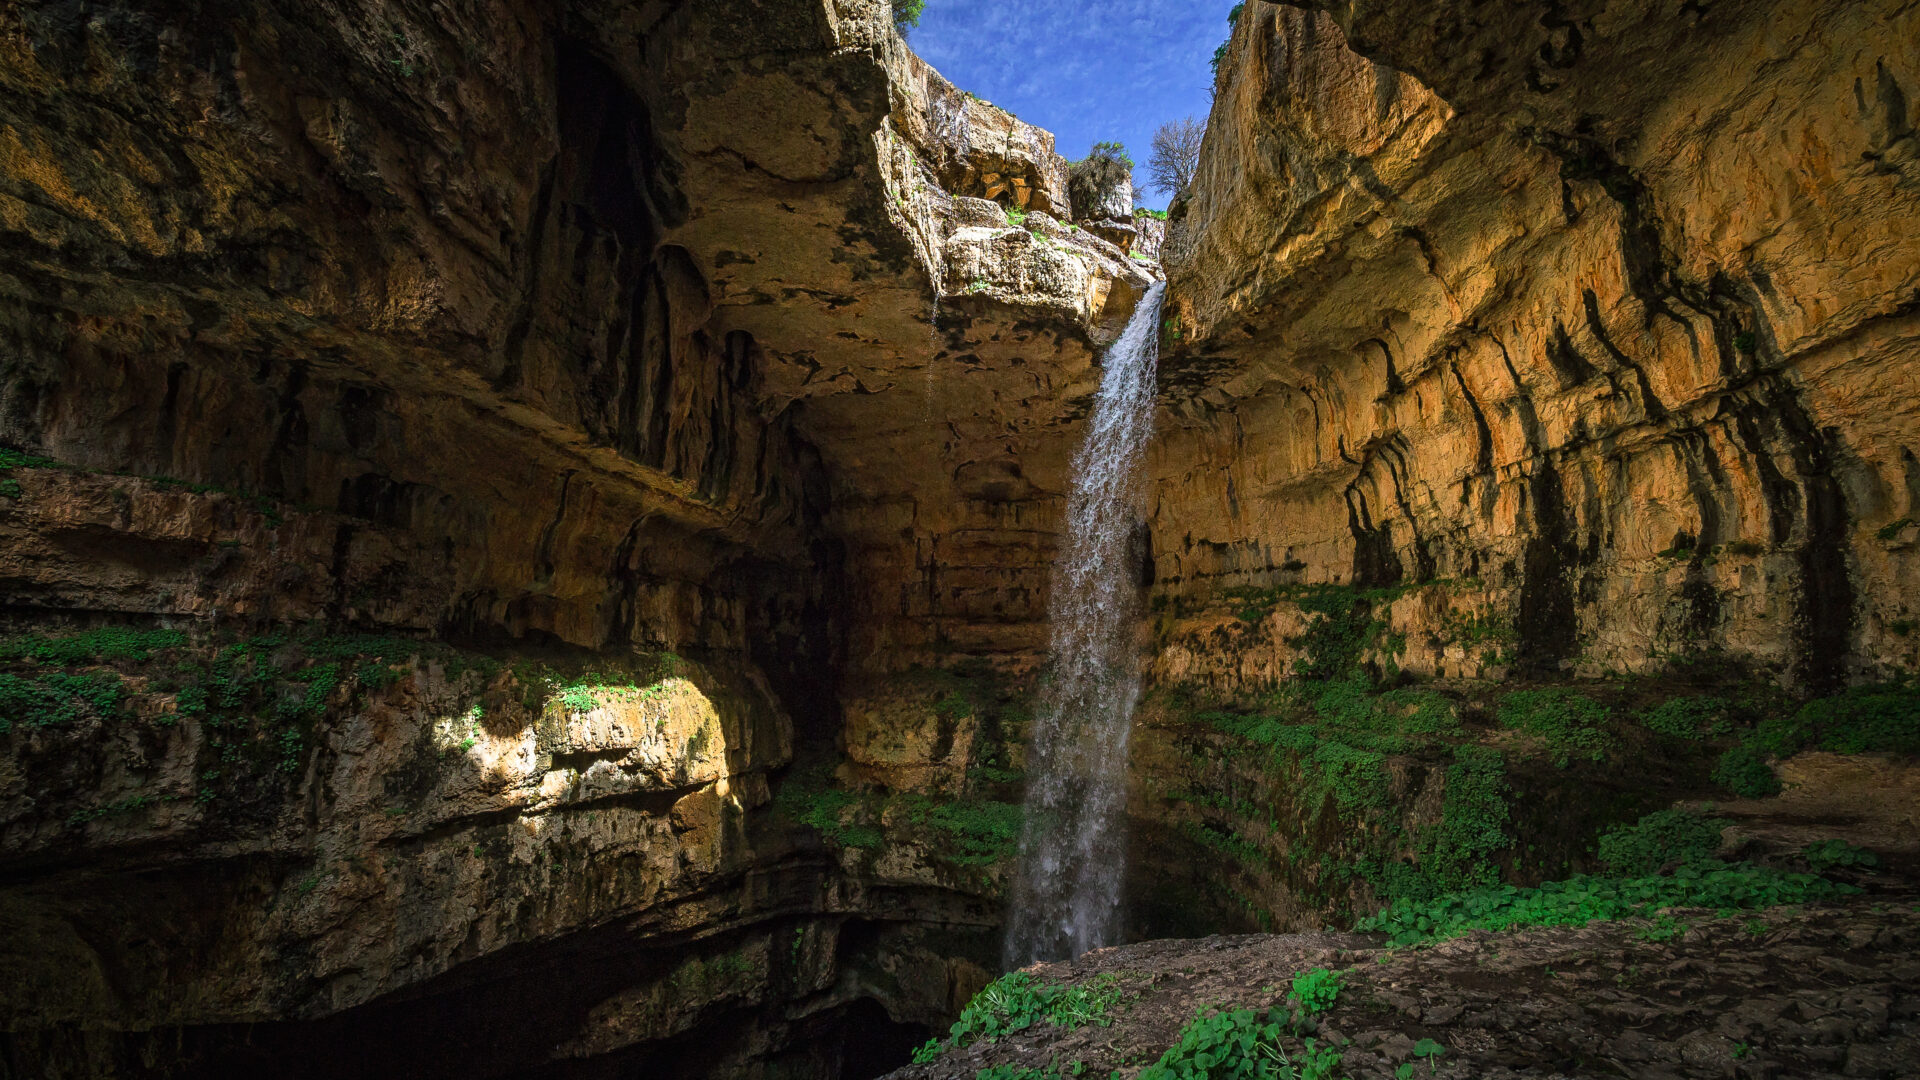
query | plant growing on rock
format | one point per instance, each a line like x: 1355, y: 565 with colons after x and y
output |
x: 1569, y: 722
x: 1100, y: 179
x: 906, y: 14
x: 1661, y: 841
x: 1016, y: 1001
x: 1240, y: 1044
x: 1584, y: 899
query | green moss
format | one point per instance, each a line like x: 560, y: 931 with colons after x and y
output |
x: 1337, y: 739
x: 954, y: 706
x: 1893, y: 529
x: 969, y: 831
x: 977, y: 832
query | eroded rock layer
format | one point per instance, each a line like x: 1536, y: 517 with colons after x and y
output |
x: 1604, y: 314
x: 455, y: 459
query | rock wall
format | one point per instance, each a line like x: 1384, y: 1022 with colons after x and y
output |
x: 1603, y: 316
x: 513, y: 420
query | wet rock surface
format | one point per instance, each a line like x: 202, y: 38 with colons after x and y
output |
x: 1826, y: 990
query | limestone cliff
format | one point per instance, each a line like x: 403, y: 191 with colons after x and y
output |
x: 455, y: 457
x: 1605, y: 314
x: 530, y: 522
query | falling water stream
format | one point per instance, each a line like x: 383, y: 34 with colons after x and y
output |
x: 1066, y: 898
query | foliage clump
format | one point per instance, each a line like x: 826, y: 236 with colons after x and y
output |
x: 969, y: 831
x: 1826, y: 855
x: 56, y: 699
x: 1875, y: 718
x: 1572, y: 723
x: 1095, y: 180
x: 1583, y: 899
x: 1016, y: 1001
x: 1702, y: 716
x: 1242, y: 1044
x: 1745, y: 773
x: 1661, y: 841
x: 907, y: 13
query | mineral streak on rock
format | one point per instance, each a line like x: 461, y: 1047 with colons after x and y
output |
x: 1609, y: 312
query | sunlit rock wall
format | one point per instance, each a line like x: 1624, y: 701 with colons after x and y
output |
x: 1606, y: 316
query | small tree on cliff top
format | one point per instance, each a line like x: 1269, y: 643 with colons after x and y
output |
x: 1176, y: 153
x: 1093, y: 179
x: 906, y: 14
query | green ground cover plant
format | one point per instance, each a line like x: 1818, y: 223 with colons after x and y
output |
x: 1662, y: 839
x: 1337, y: 728
x: 1017, y: 1001
x: 1572, y: 724
x: 56, y: 699
x: 970, y: 831
x: 1242, y: 1044
x: 1315, y: 990
x: 258, y: 698
x: 1874, y: 718
x: 1584, y: 899
x: 1702, y: 716
x: 1746, y: 773
x: 1825, y: 855
x: 1881, y: 717
x: 106, y: 643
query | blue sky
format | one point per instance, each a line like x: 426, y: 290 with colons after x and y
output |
x: 1086, y: 70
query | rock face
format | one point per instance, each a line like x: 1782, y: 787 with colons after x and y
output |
x: 1725, y: 997
x: 515, y: 422
x: 1609, y: 313
x: 531, y: 522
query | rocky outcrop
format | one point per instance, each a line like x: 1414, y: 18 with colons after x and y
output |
x: 541, y: 514
x: 1519, y: 300
x: 514, y: 421
x: 1724, y: 996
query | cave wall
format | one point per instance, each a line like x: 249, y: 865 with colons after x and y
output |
x: 518, y: 424
x: 1602, y: 317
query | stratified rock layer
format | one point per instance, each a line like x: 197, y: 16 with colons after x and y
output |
x: 1609, y: 313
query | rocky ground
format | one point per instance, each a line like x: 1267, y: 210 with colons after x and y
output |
x: 1820, y: 990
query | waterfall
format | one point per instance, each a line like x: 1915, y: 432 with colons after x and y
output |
x: 1066, y: 898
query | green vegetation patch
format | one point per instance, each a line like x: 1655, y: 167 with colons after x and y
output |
x: 968, y: 831
x: 1745, y: 773
x: 1825, y: 855
x: 258, y: 699
x: 1883, y: 717
x: 1316, y: 990
x: 1572, y: 724
x: 107, y: 643
x: 1241, y: 1044
x: 1660, y: 840
x: 1016, y: 1001
x: 1702, y: 716
x: 56, y: 699
x: 1580, y: 900
x: 1876, y: 718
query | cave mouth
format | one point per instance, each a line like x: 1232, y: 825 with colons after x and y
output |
x: 871, y: 1043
